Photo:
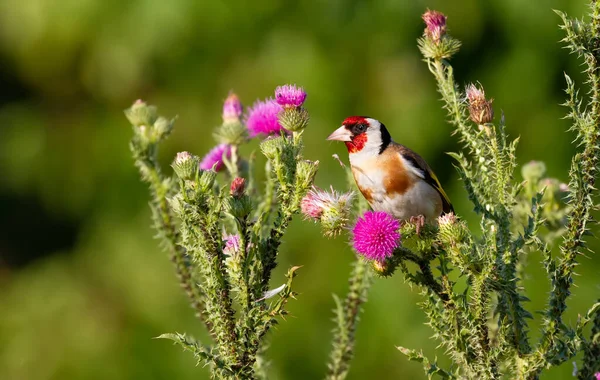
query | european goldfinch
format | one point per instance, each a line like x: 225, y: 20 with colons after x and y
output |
x: 390, y: 176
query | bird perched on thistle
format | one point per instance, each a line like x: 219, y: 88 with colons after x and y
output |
x: 390, y: 176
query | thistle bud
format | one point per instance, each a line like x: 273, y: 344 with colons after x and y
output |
x: 452, y: 231
x: 232, y: 109
x: 185, y: 165
x: 232, y: 133
x: 206, y: 180
x: 163, y: 127
x: 447, y: 219
x: 533, y: 171
x: 294, y: 119
x: 480, y: 109
x: 238, y: 187
x: 306, y: 171
x: 272, y: 147
x: 141, y: 114
x: 436, y: 43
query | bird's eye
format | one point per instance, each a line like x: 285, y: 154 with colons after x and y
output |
x: 360, y: 128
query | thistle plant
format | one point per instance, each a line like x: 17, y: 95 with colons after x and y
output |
x: 484, y: 325
x: 223, y: 233
x: 222, y: 229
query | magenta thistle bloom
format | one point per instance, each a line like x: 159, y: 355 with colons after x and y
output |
x: 435, y: 23
x: 215, y: 157
x: 290, y: 96
x: 232, y: 245
x: 597, y: 374
x: 263, y: 118
x: 232, y: 108
x: 375, y: 235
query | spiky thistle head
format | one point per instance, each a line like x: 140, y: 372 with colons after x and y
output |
x: 435, y: 25
x: 331, y: 208
x: 376, y: 235
x: 290, y: 96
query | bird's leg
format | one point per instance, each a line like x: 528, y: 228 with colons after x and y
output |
x: 419, y: 222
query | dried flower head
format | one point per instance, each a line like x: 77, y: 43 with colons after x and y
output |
x: 435, y: 23
x: 214, y: 158
x: 316, y: 201
x: 232, y: 245
x: 238, y: 187
x: 290, y: 96
x: 376, y: 235
x: 232, y: 109
x: 331, y: 208
x: 480, y: 109
x: 262, y: 118
x: 311, y: 208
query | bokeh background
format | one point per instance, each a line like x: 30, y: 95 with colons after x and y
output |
x: 84, y: 287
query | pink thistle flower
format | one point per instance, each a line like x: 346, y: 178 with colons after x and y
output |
x: 232, y: 109
x: 232, y: 245
x: 214, y: 158
x: 290, y: 96
x: 597, y: 374
x: 435, y: 23
x: 375, y: 235
x: 312, y: 206
x: 262, y: 118
x: 317, y: 201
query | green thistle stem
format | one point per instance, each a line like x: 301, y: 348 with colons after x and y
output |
x: 165, y: 225
x: 347, y: 315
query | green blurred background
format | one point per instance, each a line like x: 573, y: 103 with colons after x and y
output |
x: 84, y: 287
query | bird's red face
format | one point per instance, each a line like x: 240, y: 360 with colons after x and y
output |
x: 361, y: 134
x: 353, y: 133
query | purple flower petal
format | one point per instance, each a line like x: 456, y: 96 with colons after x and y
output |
x: 375, y: 235
x: 263, y: 118
x: 215, y: 157
x: 290, y: 96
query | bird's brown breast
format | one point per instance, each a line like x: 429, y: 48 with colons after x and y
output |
x: 396, y: 181
x: 384, y: 174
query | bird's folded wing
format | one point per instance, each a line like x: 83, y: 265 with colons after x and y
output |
x: 420, y: 167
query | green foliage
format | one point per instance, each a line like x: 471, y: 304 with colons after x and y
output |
x: 485, y: 327
x: 227, y: 287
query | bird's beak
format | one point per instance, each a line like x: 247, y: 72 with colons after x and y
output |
x: 340, y: 134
